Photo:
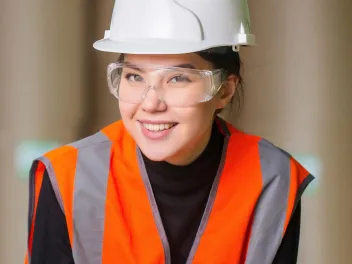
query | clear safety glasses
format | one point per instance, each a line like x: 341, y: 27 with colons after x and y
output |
x: 176, y: 86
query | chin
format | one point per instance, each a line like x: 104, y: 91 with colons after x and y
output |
x: 155, y: 156
x: 157, y: 151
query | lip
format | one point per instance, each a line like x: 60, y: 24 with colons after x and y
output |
x: 155, y: 135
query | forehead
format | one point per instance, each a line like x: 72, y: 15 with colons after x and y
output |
x: 169, y: 60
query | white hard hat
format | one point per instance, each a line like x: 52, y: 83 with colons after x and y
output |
x: 176, y: 26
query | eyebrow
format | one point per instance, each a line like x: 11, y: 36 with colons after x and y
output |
x: 133, y: 66
x: 187, y: 66
x: 184, y: 65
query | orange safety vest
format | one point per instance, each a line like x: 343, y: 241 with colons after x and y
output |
x: 103, y: 189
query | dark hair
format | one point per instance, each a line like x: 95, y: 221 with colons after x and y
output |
x: 229, y: 60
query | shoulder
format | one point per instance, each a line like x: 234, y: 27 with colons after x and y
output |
x: 271, y: 154
x: 266, y: 149
x: 273, y: 159
x: 95, y: 142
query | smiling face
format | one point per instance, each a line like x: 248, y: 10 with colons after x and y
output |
x: 167, y: 133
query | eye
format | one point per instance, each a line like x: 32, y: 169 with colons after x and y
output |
x: 134, y: 77
x: 179, y: 78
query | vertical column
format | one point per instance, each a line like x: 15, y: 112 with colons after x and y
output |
x: 42, y: 66
x: 298, y: 87
x: 336, y: 131
x: 107, y: 110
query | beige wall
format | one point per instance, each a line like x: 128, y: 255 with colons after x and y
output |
x: 42, y: 65
x: 298, y: 92
x: 299, y: 87
x: 108, y: 110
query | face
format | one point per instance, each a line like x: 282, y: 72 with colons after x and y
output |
x: 172, y: 134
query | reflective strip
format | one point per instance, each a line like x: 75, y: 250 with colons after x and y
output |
x: 91, y: 178
x: 302, y: 188
x: 270, y: 213
x: 31, y: 197
x: 91, y: 140
x: 210, y: 202
x: 31, y: 206
x: 53, y: 180
x: 223, y: 126
x: 155, y: 209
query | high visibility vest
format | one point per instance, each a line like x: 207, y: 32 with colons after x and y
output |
x: 112, y: 217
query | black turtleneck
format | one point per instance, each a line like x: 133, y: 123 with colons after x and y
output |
x: 181, y: 193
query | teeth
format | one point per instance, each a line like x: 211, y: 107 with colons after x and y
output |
x: 158, y: 127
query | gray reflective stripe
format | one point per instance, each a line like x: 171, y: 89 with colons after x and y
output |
x: 224, y: 127
x: 31, y: 200
x: 91, y: 177
x: 53, y: 180
x: 54, y: 184
x: 90, y: 187
x: 210, y: 203
x: 302, y: 188
x: 270, y: 213
x: 91, y: 140
x: 155, y: 209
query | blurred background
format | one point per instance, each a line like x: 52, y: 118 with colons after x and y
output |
x: 298, y: 94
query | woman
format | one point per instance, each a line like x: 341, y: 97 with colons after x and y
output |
x: 171, y: 182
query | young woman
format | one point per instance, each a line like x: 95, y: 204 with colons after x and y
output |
x: 171, y: 182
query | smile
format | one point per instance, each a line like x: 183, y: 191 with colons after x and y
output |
x: 158, y: 127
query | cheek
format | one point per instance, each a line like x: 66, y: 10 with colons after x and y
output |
x: 197, y: 117
x: 127, y: 111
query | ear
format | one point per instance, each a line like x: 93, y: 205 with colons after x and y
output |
x: 227, y: 91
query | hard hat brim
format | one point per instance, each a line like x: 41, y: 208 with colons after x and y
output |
x: 160, y: 46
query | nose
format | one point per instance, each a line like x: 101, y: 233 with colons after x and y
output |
x: 152, y: 102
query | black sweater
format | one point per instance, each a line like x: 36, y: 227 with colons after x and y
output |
x: 181, y: 193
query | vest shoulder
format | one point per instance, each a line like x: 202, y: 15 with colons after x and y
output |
x: 275, y: 161
x: 107, y: 135
x: 268, y: 151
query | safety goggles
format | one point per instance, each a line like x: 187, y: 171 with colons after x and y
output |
x: 175, y: 86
